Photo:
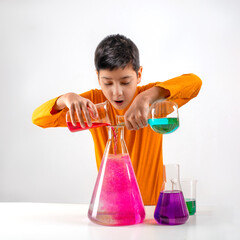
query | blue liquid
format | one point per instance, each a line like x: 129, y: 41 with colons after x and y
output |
x: 164, y: 125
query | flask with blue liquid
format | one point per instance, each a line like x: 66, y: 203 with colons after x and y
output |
x: 162, y: 117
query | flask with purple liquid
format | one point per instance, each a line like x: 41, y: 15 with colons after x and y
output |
x: 171, y: 208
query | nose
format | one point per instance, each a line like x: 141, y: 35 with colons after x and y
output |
x: 117, y: 91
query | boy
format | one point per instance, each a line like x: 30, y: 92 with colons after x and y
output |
x: 119, y: 72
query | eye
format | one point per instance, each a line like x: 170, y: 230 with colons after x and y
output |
x: 107, y: 84
x: 125, y: 83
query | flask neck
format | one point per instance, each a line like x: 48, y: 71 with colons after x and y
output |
x: 116, y: 141
x: 171, y: 177
x: 116, y: 132
x: 120, y: 120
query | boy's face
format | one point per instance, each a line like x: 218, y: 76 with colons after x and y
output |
x: 119, y: 85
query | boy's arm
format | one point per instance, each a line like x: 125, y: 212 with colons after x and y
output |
x: 44, y: 116
x: 53, y: 112
x: 183, y: 88
x: 180, y: 90
x: 76, y: 104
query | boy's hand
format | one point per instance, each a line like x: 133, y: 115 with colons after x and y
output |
x: 77, y: 104
x: 136, y: 116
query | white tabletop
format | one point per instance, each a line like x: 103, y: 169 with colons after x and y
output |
x: 69, y: 221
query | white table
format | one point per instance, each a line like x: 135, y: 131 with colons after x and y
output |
x: 23, y: 221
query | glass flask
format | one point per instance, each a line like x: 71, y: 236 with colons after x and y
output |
x: 163, y: 116
x: 189, y: 192
x: 116, y: 199
x: 101, y: 120
x: 171, y: 208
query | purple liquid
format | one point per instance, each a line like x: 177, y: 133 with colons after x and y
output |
x: 171, y: 208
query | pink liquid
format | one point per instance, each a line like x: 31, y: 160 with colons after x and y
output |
x: 114, y: 140
x: 116, y: 198
x: 79, y: 128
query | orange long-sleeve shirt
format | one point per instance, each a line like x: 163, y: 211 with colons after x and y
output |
x: 144, y: 145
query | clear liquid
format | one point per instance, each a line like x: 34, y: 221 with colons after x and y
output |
x: 164, y: 125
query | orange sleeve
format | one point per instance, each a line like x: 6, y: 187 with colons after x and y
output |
x: 183, y: 88
x: 45, y: 117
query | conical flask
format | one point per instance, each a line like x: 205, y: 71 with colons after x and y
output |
x: 171, y: 208
x: 116, y: 199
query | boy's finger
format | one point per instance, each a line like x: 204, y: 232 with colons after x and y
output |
x: 130, y: 125
x: 71, y: 112
x: 93, y: 110
x: 87, y: 116
x: 144, y: 121
x: 139, y: 119
x: 139, y: 123
x: 79, y: 115
x: 135, y: 123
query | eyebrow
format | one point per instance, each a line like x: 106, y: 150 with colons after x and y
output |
x: 128, y: 76
x: 107, y: 78
x: 122, y: 78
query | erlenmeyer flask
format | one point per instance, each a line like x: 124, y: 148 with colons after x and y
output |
x: 116, y: 198
x: 171, y: 208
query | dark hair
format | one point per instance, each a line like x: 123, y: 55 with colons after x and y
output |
x: 116, y: 51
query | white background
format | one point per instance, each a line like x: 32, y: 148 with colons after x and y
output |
x: 47, y: 49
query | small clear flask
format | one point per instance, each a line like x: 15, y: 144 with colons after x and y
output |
x: 116, y: 199
x: 171, y: 208
x: 189, y: 191
x: 163, y: 116
x: 101, y: 120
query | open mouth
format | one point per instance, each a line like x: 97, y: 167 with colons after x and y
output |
x: 119, y: 102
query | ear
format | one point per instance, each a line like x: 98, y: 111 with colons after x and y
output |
x: 139, y: 77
